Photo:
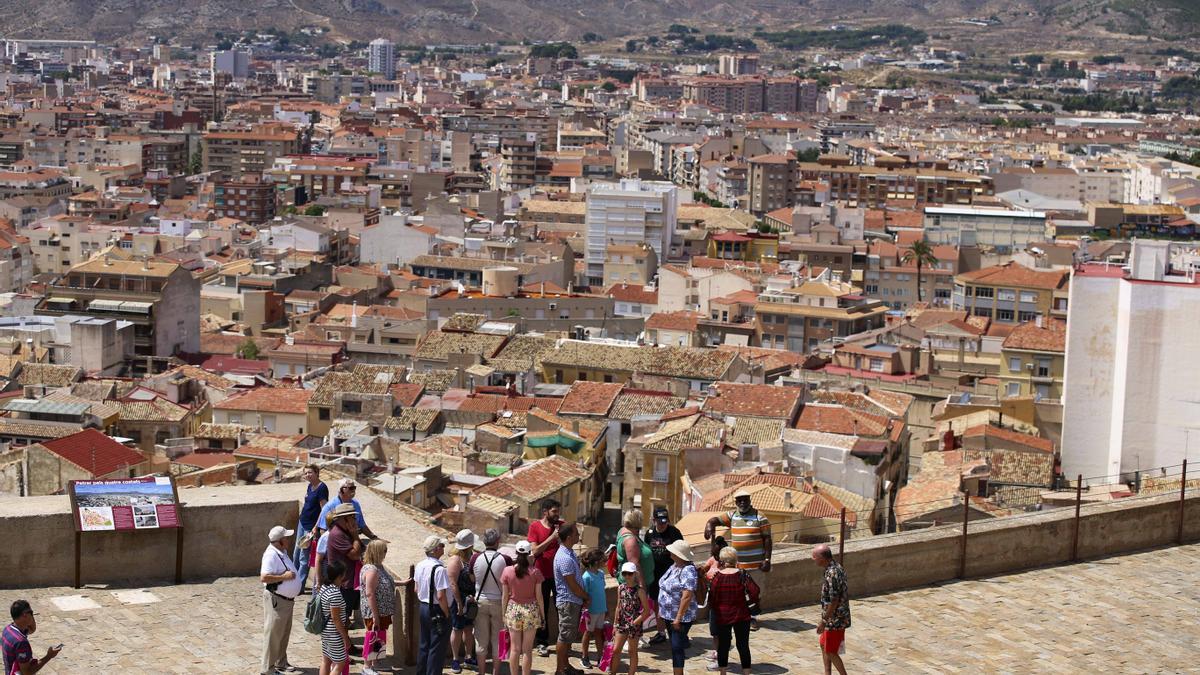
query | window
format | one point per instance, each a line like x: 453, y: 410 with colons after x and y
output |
x: 608, y: 378
x: 1041, y: 391
x: 558, y: 376
x: 941, y: 293
x: 877, y: 365
x: 1006, y: 294
x: 1028, y: 296
x: 1014, y: 363
x: 235, y: 419
x: 1025, y: 317
x: 323, y: 414
x: 582, y: 377
x: 1043, y: 367
x: 352, y: 407
x: 1004, y: 315
x: 661, y: 472
x: 983, y: 292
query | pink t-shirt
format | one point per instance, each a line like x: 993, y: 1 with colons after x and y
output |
x: 521, y: 590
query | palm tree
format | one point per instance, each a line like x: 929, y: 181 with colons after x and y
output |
x: 921, y: 254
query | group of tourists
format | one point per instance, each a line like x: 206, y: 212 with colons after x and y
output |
x: 479, y: 606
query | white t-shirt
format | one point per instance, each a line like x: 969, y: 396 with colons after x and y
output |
x: 323, y: 543
x: 275, y: 561
x: 441, y: 582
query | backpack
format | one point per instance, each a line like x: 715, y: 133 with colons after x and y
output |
x: 611, y: 564
x: 315, y: 618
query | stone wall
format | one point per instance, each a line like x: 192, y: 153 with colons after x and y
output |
x: 225, y: 533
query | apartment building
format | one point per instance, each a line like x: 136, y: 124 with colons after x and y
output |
x: 1033, y: 360
x: 873, y: 186
x: 251, y: 199
x: 799, y: 319
x: 319, y: 175
x: 518, y: 164
x: 1132, y: 358
x: 1005, y: 230
x: 772, y: 182
x: 161, y: 299
x: 1011, y: 293
x: 752, y: 94
x: 737, y: 64
x: 238, y: 152
x: 629, y: 212
x: 382, y: 58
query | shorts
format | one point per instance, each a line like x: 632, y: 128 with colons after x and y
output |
x: 568, y: 622
x: 521, y: 617
x: 595, y: 622
x: 831, y: 639
x: 458, y: 621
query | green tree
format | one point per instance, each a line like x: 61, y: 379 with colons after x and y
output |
x: 631, y: 46
x: 248, y: 349
x: 195, y: 164
x: 609, y: 87
x: 921, y: 254
x: 592, y: 37
x: 314, y: 210
x: 808, y: 155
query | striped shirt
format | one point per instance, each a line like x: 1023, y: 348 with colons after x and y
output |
x: 749, y: 533
x: 16, y: 648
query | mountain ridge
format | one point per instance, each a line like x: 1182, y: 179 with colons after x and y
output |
x: 469, y: 21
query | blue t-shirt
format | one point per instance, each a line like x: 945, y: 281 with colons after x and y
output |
x: 593, y: 583
x: 333, y: 504
x: 312, y: 505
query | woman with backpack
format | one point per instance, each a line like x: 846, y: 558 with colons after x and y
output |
x: 462, y: 606
x: 731, y: 595
x: 335, y: 638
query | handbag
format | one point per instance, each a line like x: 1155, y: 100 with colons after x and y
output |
x: 606, y: 656
x: 439, y: 623
x: 751, y: 596
x: 504, y: 643
x: 314, y: 617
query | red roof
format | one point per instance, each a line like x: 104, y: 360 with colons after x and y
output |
x: 236, y: 366
x: 92, y: 451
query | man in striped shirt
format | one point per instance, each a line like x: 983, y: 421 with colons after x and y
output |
x: 751, y: 537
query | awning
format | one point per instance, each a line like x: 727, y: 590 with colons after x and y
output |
x: 105, y: 305
x: 136, y: 307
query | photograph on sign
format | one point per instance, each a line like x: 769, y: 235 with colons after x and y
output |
x: 130, y: 504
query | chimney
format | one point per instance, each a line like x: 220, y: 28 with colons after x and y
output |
x: 1038, y: 321
x: 787, y: 498
x: 464, y: 498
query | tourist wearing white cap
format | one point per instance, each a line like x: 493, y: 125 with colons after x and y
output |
x: 523, y: 613
x: 750, y: 536
x: 677, y: 600
x: 462, y: 606
x: 633, y: 610
x: 432, y: 585
x: 281, y: 585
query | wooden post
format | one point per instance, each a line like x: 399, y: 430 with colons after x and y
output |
x: 78, y: 557
x: 1078, y: 504
x: 842, y: 538
x: 1182, y: 503
x: 410, y: 616
x: 962, y: 562
x: 179, y: 555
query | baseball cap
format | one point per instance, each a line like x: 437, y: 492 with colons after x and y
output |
x: 432, y: 542
x: 280, y: 532
x: 629, y: 567
x: 524, y: 547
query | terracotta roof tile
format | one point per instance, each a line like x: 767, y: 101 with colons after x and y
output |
x: 631, y: 402
x: 92, y: 451
x: 287, y: 400
x: 754, y: 400
x: 1051, y: 336
x: 535, y: 481
x: 589, y: 398
x: 1016, y: 275
x: 838, y: 419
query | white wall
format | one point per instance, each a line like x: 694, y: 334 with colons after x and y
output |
x: 1133, y: 361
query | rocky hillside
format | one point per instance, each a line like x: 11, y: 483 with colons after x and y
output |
x: 490, y: 20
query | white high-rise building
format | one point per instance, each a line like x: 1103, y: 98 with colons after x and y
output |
x: 629, y: 212
x: 383, y: 58
x: 232, y: 61
x: 1133, y: 360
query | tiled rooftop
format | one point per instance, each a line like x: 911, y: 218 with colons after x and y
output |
x: 754, y: 400
x: 589, y: 398
x: 288, y: 400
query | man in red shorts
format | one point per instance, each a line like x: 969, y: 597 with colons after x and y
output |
x: 835, y: 609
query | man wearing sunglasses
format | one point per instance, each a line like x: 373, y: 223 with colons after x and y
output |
x: 345, y: 495
x: 18, y: 654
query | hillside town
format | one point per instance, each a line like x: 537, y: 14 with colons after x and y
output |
x: 474, y: 280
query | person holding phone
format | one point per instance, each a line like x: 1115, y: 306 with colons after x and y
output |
x: 18, y: 653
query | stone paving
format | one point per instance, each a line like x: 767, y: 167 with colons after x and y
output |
x: 1128, y: 614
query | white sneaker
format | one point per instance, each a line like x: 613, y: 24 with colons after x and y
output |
x: 369, y: 671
